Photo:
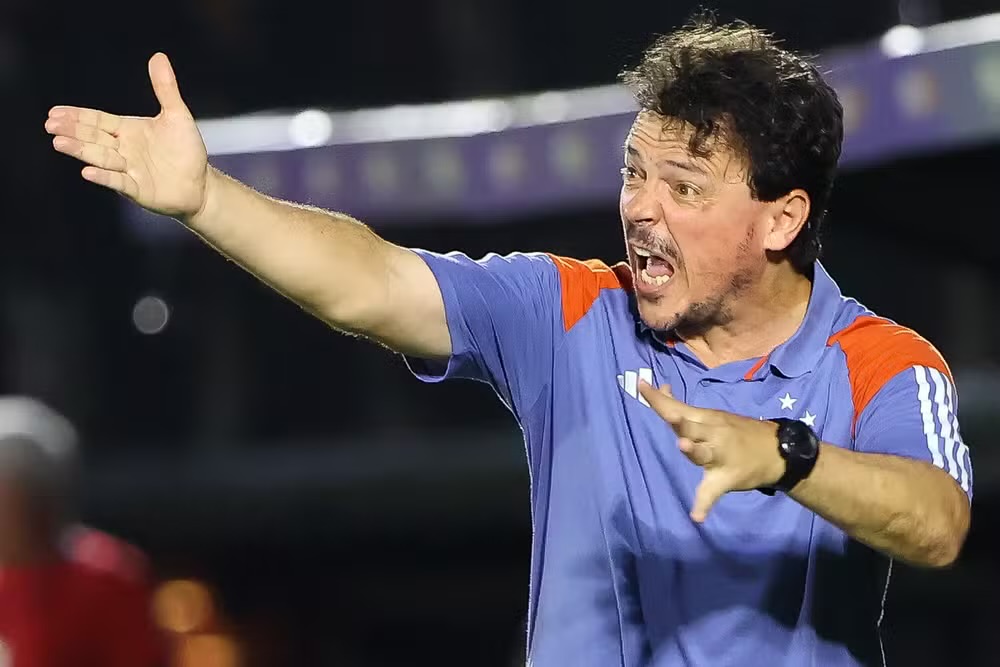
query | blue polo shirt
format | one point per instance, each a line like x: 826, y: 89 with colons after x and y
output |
x: 620, y: 574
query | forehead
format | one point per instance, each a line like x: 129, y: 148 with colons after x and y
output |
x: 653, y: 136
x: 653, y: 130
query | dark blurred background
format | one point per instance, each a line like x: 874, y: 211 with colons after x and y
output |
x: 340, y: 512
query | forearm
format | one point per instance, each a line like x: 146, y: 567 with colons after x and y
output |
x: 329, y: 263
x: 905, y: 508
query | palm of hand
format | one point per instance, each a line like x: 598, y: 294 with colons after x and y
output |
x: 160, y: 162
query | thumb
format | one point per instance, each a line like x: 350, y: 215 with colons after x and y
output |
x: 161, y: 74
x: 713, y: 486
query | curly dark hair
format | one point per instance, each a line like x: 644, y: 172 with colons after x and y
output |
x: 733, y: 82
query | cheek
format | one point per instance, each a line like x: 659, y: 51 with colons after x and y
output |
x: 625, y: 197
x: 704, y: 244
x: 715, y: 247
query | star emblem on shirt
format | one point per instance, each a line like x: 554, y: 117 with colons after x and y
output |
x: 787, y: 402
x: 809, y: 419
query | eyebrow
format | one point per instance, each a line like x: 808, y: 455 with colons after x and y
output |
x: 685, y: 165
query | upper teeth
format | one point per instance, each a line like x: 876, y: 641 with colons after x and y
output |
x: 643, y: 253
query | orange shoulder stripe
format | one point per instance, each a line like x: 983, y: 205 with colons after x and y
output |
x: 877, y: 350
x: 582, y: 283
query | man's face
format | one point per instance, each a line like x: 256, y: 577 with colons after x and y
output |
x: 694, y: 234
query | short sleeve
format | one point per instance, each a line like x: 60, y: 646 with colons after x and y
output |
x: 504, y: 318
x: 915, y: 414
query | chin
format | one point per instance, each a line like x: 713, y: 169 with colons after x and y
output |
x: 659, y: 314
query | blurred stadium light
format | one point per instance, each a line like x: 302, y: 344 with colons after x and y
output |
x: 186, y: 610
x: 183, y: 606
x: 208, y: 651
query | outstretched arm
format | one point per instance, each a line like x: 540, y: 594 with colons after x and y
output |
x: 330, y: 264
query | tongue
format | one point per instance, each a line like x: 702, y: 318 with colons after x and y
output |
x: 657, y: 267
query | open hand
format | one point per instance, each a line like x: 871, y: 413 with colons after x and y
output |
x: 160, y: 162
x: 737, y: 453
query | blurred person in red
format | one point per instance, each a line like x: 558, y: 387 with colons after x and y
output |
x: 70, y: 596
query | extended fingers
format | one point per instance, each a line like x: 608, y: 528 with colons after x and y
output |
x: 118, y: 181
x: 687, y: 421
x: 663, y: 402
x: 93, y: 154
x: 699, y: 453
x: 102, y: 120
x: 713, y: 486
x: 91, y: 134
x: 86, y: 135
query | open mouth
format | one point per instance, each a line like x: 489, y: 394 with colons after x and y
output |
x: 653, y: 269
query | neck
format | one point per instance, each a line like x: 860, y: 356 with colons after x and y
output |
x: 761, y: 318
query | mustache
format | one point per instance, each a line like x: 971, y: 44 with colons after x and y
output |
x: 646, y: 239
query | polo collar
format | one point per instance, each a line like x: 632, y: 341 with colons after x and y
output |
x: 802, y: 352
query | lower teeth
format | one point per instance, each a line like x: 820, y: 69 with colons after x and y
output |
x: 654, y: 280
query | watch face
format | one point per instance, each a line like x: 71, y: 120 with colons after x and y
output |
x: 798, y: 440
x: 799, y: 447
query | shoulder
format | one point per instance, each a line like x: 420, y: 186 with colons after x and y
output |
x: 877, y: 349
x: 576, y: 283
x: 581, y: 283
x: 106, y: 555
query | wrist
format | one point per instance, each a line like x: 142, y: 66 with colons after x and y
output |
x: 797, y: 447
x: 213, y: 180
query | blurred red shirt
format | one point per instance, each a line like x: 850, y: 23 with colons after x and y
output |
x: 91, y: 609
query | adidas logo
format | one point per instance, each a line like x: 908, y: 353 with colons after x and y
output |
x: 629, y: 381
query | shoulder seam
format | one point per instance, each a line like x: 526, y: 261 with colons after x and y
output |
x: 581, y: 284
x: 875, y: 351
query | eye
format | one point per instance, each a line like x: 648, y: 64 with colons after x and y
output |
x: 628, y: 173
x: 686, y: 190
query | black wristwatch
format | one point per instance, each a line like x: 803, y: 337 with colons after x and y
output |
x: 799, y: 447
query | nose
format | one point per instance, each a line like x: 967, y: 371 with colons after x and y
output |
x: 640, y: 207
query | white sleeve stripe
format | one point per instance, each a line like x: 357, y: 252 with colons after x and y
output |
x: 947, y: 408
x: 949, y: 426
x: 961, y: 450
x: 945, y: 444
x: 923, y: 395
x: 942, y: 399
x: 968, y: 467
x: 962, y: 454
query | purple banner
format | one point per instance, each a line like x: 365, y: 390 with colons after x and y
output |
x: 917, y: 91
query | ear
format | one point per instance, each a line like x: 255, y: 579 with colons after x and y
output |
x: 788, y: 216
